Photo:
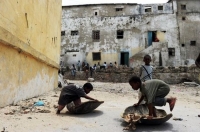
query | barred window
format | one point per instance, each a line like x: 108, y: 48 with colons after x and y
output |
x: 183, y: 7
x: 171, y: 51
x: 120, y: 34
x: 74, y: 33
x: 193, y: 43
x: 119, y: 9
x: 160, y: 8
x: 62, y: 33
x: 95, y: 34
x: 96, y: 56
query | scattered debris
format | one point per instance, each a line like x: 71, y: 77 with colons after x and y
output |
x: 39, y: 103
x: 191, y: 84
x: 44, y: 111
x: 65, y: 128
x: 9, y: 113
x: 177, y: 119
x: 90, y: 79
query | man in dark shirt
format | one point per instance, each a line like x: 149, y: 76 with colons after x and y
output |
x: 73, y: 93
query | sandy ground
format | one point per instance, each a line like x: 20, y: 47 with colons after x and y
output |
x: 106, y: 118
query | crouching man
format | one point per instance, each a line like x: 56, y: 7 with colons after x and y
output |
x: 154, y: 91
x: 73, y: 93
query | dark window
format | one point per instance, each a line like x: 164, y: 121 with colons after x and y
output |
x: 171, y: 51
x: 74, y: 33
x: 96, y: 35
x: 148, y: 9
x: 183, y: 45
x: 183, y: 18
x: 160, y: 8
x: 120, y: 34
x: 183, y: 7
x: 193, y: 43
x: 95, y: 13
x: 62, y: 33
x: 119, y: 9
x: 96, y: 56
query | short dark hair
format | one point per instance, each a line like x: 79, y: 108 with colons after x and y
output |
x: 88, y: 86
x: 134, y: 79
x: 147, y: 56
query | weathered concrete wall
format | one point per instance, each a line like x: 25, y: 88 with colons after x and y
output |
x: 171, y: 75
x: 189, y: 25
x: 29, y: 48
x: 133, y: 20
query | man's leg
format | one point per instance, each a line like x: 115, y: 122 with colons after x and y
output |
x: 162, y: 102
x: 160, y: 99
x: 60, y: 107
x: 77, y: 102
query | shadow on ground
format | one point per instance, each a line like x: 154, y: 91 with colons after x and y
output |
x: 93, y: 114
x: 149, y: 128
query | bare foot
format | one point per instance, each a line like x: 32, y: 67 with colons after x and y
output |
x: 172, y: 103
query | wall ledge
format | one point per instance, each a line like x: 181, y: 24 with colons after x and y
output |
x: 9, y: 39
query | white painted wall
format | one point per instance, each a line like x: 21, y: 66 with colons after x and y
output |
x: 132, y: 20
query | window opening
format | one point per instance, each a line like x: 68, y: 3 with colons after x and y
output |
x: 183, y: 18
x: 148, y: 9
x: 96, y: 56
x: 96, y: 35
x: 62, y: 33
x: 74, y: 33
x: 193, y: 43
x: 171, y: 51
x: 119, y: 9
x: 120, y: 34
x: 183, y: 7
x: 160, y: 8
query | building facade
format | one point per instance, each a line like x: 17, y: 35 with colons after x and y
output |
x: 29, y: 48
x: 125, y: 33
x: 188, y: 16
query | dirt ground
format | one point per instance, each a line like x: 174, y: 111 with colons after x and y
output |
x: 106, y: 118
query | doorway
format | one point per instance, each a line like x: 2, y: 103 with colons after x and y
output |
x: 124, y: 60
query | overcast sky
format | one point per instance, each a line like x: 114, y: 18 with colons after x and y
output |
x: 79, y: 2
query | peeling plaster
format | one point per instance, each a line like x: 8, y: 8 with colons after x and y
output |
x: 133, y: 21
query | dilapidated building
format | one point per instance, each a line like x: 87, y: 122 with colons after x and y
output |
x: 188, y: 16
x: 126, y: 32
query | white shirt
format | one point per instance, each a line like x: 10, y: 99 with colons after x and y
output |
x: 146, y: 74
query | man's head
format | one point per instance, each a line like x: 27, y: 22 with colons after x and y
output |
x: 87, y: 87
x: 135, y: 82
x: 147, y: 59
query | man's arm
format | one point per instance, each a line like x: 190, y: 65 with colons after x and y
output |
x: 150, y: 107
x: 90, y: 98
x: 140, y: 100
